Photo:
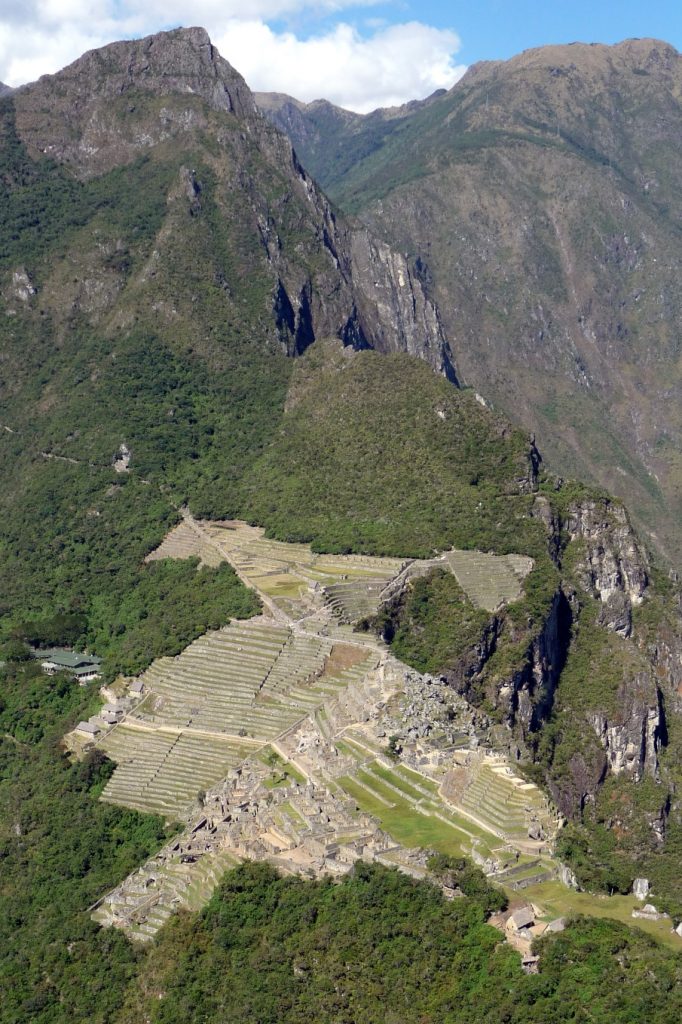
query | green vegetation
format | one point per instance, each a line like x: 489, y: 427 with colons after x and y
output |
x: 556, y: 900
x: 282, y: 773
x: 381, y: 947
x: 194, y: 405
x: 393, y: 748
x: 84, y: 581
x: 459, y: 873
x: 615, y: 843
x: 433, y: 624
x: 448, y: 833
x: 60, y: 851
x: 616, y: 836
x: 378, y: 455
x: 42, y: 207
x: 600, y: 666
x: 432, y: 179
x: 172, y: 604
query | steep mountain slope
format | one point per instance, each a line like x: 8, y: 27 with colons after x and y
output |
x: 329, y: 140
x: 162, y: 252
x: 540, y: 203
x: 4, y: 89
x: 106, y: 110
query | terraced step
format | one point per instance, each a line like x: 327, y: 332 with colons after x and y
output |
x: 504, y: 801
x: 366, y: 784
x: 356, y: 599
x: 162, y: 772
x: 489, y: 580
x: 184, y: 542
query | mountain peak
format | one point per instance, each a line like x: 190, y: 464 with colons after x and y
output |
x: 85, y: 98
x: 182, y: 60
x: 650, y: 56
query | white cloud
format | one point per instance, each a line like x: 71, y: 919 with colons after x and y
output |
x: 389, y: 66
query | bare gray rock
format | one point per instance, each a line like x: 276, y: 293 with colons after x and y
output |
x: 631, y: 736
x: 612, y: 565
x: 640, y: 888
x: 22, y: 287
x: 116, y: 104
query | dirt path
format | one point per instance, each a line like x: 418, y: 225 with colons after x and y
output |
x: 278, y: 615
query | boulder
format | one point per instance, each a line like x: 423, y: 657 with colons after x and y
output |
x: 640, y: 888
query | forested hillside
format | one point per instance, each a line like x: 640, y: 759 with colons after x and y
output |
x: 381, y: 947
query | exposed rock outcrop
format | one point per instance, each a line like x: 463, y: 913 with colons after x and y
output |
x: 22, y: 287
x: 121, y: 459
x: 328, y: 278
x: 612, y: 565
x: 84, y: 128
x: 631, y: 736
x: 393, y: 299
x: 522, y: 698
x: 529, y: 695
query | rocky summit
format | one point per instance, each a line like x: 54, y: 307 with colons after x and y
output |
x: 539, y: 203
x: 106, y: 111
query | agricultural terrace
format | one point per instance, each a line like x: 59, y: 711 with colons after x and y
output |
x: 228, y: 693
x: 238, y: 695
x: 489, y: 580
x: 299, y: 580
x: 185, y: 542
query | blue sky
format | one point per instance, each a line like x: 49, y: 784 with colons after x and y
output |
x: 357, y: 53
x: 498, y: 29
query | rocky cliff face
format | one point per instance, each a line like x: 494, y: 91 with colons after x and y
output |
x: 577, y: 673
x: 613, y: 558
x: 521, y: 697
x: 173, y: 92
x: 604, y: 559
x: 631, y: 738
x: 528, y: 696
x: 391, y: 297
x: 543, y: 194
x: 610, y: 563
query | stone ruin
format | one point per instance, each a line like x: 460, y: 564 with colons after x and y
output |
x: 299, y: 828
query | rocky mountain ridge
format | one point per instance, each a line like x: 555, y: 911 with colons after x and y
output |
x: 328, y: 139
x: 539, y: 201
x: 108, y: 110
